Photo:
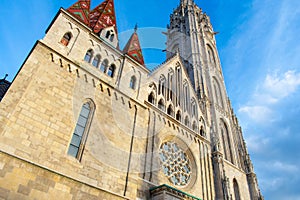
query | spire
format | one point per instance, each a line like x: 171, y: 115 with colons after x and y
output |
x: 81, y: 10
x: 133, y: 48
x: 186, y: 2
x: 103, y: 16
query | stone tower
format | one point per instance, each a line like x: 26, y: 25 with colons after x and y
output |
x: 191, y: 34
x: 84, y: 119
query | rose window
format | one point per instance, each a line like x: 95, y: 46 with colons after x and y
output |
x: 175, y: 163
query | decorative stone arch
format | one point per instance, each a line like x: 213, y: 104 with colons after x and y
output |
x: 226, y: 141
x: 161, y: 104
x: 152, y: 98
x: 218, y: 92
x: 170, y: 110
x: 236, y: 189
x: 162, y: 85
x: 179, y: 115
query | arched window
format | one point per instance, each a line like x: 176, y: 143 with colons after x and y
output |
x: 161, y: 105
x: 202, y: 133
x: 226, y: 142
x: 66, y: 39
x: 132, y: 84
x: 104, y: 66
x: 218, y: 93
x: 194, y: 108
x: 162, y: 85
x: 151, y: 98
x: 111, y: 70
x: 107, y: 34
x: 194, y: 126
x: 112, y: 37
x: 96, y: 61
x: 88, y: 56
x: 170, y: 110
x: 236, y: 190
x: 178, y: 115
x: 186, y: 121
x: 81, y: 130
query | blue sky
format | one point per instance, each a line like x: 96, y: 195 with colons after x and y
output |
x: 259, y: 46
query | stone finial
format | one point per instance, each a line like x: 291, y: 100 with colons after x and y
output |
x: 6, y: 75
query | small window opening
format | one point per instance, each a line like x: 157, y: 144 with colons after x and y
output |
x: 66, y: 39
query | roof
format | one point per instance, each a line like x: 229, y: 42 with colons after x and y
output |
x: 81, y: 10
x: 103, y: 16
x: 133, y: 49
x: 4, y: 85
x: 100, y: 17
x: 173, y: 191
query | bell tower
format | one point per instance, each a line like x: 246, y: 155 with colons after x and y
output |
x: 190, y: 34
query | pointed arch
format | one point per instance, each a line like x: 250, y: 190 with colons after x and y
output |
x: 111, y: 70
x: 162, y: 85
x: 178, y: 115
x: 104, y: 66
x: 218, y: 93
x: 186, y: 121
x: 194, y: 126
x: 88, y: 55
x: 96, y: 61
x: 227, y: 146
x: 236, y: 189
x: 65, y: 40
x: 81, y: 131
x: 161, y: 105
x: 132, y: 83
x: 151, y: 98
x: 211, y: 55
x: 170, y: 110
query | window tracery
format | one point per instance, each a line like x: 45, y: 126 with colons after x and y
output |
x: 175, y: 163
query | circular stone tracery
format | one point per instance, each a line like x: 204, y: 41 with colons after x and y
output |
x: 175, y: 163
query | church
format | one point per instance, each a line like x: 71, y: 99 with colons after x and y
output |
x: 85, y: 119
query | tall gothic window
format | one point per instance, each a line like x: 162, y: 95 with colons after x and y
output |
x: 81, y: 131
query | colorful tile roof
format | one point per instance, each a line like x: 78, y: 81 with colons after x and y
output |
x: 81, y: 10
x: 133, y: 48
x: 103, y: 16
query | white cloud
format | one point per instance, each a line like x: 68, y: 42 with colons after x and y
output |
x: 277, y: 87
x: 259, y: 114
x: 284, y: 167
x: 255, y: 143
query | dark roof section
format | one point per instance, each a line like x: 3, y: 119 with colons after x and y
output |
x: 4, y: 85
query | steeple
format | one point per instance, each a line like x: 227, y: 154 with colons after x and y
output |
x: 186, y: 2
x: 103, y: 16
x: 81, y: 10
x: 133, y: 48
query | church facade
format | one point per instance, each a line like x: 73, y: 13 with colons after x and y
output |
x: 84, y: 119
